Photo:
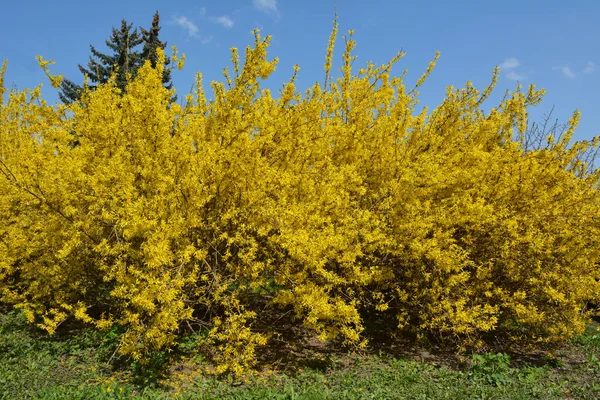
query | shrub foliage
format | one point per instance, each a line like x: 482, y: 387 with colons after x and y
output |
x: 329, y: 205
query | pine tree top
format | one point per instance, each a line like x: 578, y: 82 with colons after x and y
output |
x: 126, y: 58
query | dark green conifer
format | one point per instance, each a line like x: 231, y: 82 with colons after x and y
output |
x: 151, y: 44
x: 126, y: 59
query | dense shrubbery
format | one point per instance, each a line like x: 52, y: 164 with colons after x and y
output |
x: 330, y: 205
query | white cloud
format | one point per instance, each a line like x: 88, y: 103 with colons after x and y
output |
x: 265, y: 5
x: 206, y: 40
x: 225, y: 21
x: 203, y: 11
x: 589, y: 68
x: 187, y: 24
x: 510, y: 63
x: 514, y: 76
x: 566, y: 71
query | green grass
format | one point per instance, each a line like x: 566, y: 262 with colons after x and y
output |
x: 80, y: 365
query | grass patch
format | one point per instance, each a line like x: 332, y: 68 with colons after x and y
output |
x: 80, y: 364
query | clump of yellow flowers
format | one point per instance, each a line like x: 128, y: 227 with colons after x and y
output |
x: 330, y: 205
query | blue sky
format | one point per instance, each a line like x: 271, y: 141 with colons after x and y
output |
x: 552, y: 43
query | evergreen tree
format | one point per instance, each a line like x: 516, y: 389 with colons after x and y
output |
x: 100, y: 67
x: 125, y: 59
x: 69, y: 91
x: 151, y: 44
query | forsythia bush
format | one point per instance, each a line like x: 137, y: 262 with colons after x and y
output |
x: 331, y: 206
